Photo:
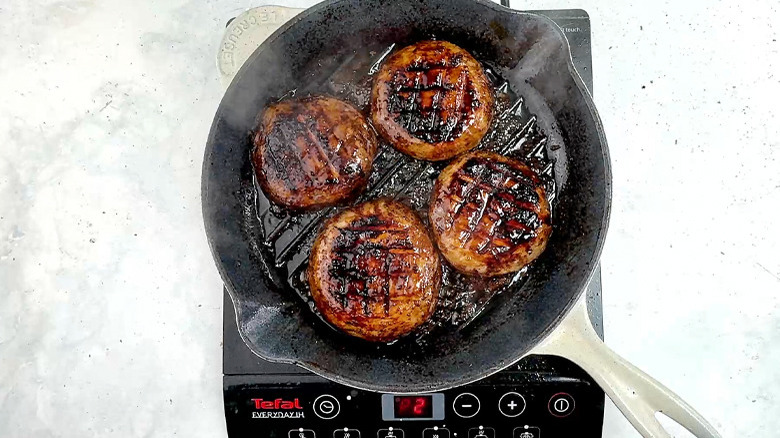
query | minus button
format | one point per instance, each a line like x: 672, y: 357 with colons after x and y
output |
x: 466, y: 405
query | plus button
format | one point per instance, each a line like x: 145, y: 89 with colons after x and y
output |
x: 511, y: 404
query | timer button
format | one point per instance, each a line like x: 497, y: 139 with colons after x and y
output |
x: 326, y: 407
x: 561, y: 405
x: 511, y: 404
x: 466, y: 405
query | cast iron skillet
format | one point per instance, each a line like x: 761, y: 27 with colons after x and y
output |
x: 276, y: 324
x: 528, y: 51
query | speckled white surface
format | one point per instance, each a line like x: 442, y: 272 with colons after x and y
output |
x: 110, y: 307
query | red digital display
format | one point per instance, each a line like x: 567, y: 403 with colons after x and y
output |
x: 413, y: 406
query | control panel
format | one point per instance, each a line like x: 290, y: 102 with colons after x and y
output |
x: 319, y: 409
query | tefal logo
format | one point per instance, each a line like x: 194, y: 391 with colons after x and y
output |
x: 277, y: 404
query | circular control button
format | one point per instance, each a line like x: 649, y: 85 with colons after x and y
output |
x: 326, y: 407
x: 346, y: 433
x: 511, y: 404
x: 466, y: 405
x: 561, y: 405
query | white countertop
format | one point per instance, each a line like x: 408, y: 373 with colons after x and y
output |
x: 110, y: 305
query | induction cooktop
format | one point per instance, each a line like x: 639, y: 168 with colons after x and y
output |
x: 537, y: 396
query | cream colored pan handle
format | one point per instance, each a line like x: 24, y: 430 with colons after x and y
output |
x: 638, y: 396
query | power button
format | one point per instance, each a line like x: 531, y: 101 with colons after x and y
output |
x: 561, y: 405
x: 326, y: 407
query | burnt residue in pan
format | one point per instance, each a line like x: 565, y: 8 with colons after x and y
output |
x: 284, y: 239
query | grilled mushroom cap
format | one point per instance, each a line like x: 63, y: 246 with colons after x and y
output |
x: 489, y: 214
x: 432, y: 100
x: 313, y: 152
x: 374, y: 272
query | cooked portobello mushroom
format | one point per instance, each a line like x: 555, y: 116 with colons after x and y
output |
x: 374, y: 272
x: 489, y: 214
x: 432, y: 100
x: 313, y: 152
